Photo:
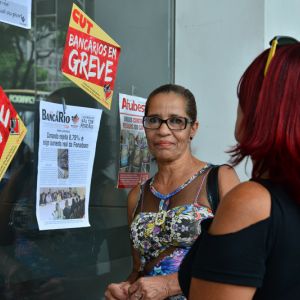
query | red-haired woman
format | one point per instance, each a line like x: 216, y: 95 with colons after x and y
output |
x: 252, y: 247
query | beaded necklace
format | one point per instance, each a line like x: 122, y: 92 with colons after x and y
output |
x: 165, y: 198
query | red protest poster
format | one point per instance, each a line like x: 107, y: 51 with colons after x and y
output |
x: 90, y: 57
x: 12, y: 132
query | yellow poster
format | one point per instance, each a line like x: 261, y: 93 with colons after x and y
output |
x: 90, y: 57
x: 12, y: 132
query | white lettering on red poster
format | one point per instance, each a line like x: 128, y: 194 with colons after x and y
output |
x: 8, y: 120
x: 87, y: 57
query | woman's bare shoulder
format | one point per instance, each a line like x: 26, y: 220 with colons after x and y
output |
x: 132, y: 199
x: 227, y: 179
x: 134, y: 192
x: 244, y: 205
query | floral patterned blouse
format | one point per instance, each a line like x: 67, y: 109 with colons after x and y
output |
x: 154, y: 232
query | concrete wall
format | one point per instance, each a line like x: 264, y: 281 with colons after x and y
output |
x: 215, y: 41
x: 282, y: 18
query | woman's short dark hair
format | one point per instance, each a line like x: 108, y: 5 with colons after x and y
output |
x: 270, y: 128
x: 187, y: 95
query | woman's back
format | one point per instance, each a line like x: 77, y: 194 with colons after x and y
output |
x: 264, y: 254
x: 280, y: 281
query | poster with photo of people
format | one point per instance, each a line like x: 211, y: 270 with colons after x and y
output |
x: 134, y: 164
x: 67, y: 145
x: 58, y: 203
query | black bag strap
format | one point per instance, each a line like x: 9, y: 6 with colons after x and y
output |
x: 212, y: 188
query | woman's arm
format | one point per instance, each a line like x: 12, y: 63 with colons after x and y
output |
x: 135, y: 273
x: 132, y: 201
x: 208, y: 290
x: 119, y: 291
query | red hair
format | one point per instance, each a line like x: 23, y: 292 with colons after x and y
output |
x: 270, y: 128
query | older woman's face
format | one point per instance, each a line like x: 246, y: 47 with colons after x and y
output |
x: 163, y: 143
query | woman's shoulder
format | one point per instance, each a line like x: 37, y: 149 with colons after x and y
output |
x: 226, y: 170
x: 133, y: 198
x: 248, y: 190
x: 134, y: 191
x: 245, y: 204
x: 133, y: 195
x: 227, y: 179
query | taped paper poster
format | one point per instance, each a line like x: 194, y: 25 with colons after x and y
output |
x: 12, y: 132
x: 90, y: 57
x: 134, y: 166
x: 16, y: 12
x: 67, y: 145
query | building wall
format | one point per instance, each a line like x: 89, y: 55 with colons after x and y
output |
x: 215, y: 41
x: 281, y: 18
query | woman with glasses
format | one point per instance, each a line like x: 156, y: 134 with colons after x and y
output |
x: 165, y: 212
x: 252, y: 247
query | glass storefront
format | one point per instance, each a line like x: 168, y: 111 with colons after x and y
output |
x: 74, y: 263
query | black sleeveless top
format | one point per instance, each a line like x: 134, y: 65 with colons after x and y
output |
x: 265, y: 255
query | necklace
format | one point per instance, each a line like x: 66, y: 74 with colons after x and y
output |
x: 165, y: 198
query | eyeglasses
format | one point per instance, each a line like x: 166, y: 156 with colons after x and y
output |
x: 280, y: 41
x: 173, y: 123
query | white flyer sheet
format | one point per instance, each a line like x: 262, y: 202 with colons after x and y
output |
x: 16, y: 12
x: 67, y: 143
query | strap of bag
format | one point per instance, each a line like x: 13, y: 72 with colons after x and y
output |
x: 212, y: 188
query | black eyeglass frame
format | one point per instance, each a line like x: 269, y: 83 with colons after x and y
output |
x: 187, y: 121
